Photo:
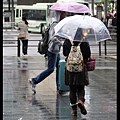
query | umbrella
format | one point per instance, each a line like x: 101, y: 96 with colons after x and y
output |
x: 73, y: 7
x: 78, y: 27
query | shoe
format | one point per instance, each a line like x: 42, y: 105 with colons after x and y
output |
x: 24, y: 55
x: 32, y: 85
x: 82, y: 107
x: 58, y: 91
x: 74, y: 110
x: 74, y: 113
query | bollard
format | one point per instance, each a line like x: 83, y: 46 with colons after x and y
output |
x: 99, y: 48
x: 18, y: 48
x: 105, y: 47
x: 41, y: 28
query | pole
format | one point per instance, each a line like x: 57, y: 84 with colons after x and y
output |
x: 105, y: 10
x: 18, y: 51
x: 105, y: 47
x: 12, y: 14
x: 99, y: 48
x: 8, y: 5
x: 92, y: 6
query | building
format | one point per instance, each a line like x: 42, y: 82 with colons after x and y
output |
x: 30, y: 2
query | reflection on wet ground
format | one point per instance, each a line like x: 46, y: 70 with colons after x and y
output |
x: 20, y: 104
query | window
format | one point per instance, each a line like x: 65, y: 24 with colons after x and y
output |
x: 20, y: 13
x: 7, y: 19
x: 35, y: 14
x: 17, y: 12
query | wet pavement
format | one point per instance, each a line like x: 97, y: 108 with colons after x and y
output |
x: 20, y: 104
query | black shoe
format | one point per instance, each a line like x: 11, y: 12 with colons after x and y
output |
x: 82, y: 107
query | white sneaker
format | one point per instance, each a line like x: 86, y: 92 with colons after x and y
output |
x: 32, y: 85
x: 22, y: 54
x: 26, y: 55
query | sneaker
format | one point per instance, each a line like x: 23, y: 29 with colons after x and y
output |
x: 82, y: 107
x: 32, y: 85
x: 24, y: 55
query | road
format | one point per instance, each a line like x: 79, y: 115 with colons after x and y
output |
x: 10, y: 38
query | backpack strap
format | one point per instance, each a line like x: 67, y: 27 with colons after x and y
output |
x: 71, y: 41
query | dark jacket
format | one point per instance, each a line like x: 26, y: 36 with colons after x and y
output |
x: 77, y: 78
x: 114, y: 21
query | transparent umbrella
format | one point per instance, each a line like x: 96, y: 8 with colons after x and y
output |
x: 78, y: 27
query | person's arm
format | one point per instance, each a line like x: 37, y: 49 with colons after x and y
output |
x: 19, y: 26
x: 66, y: 48
x: 85, y: 49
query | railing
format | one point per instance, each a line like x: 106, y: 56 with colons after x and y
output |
x: 103, y: 47
x: 8, y: 25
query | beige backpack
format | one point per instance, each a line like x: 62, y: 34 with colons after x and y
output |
x: 75, y: 59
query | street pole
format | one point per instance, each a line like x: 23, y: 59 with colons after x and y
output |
x: 12, y: 14
x: 92, y: 6
x: 105, y: 10
x: 8, y: 5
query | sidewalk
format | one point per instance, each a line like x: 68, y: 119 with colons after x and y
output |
x: 20, y: 104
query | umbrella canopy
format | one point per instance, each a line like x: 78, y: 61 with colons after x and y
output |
x: 73, y: 7
x: 78, y: 27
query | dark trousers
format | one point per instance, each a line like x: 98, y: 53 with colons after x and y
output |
x: 24, y: 46
x: 76, y: 92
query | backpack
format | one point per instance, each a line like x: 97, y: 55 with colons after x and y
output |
x: 43, y: 43
x: 55, y: 44
x: 74, y: 61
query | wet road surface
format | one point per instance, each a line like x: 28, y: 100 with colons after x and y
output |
x: 20, y: 104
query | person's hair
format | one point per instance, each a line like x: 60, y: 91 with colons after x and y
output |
x: 24, y: 19
x: 62, y: 15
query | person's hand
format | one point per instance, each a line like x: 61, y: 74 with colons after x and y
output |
x: 90, y: 57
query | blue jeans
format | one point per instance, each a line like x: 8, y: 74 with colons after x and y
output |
x: 53, y: 60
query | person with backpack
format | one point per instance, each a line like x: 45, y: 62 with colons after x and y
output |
x: 77, y: 79
x: 54, y: 45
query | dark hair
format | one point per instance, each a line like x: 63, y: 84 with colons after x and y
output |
x: 24, y: 19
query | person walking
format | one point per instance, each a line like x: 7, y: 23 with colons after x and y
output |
x: 110, y: 17
x: 114, y: 23
x: 23, y: 29
x: 53, y: 56
x: 114, y: 20
x: 77, y: 80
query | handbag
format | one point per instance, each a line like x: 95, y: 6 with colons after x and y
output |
x: 22, y: 36
x: 91, y: 64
